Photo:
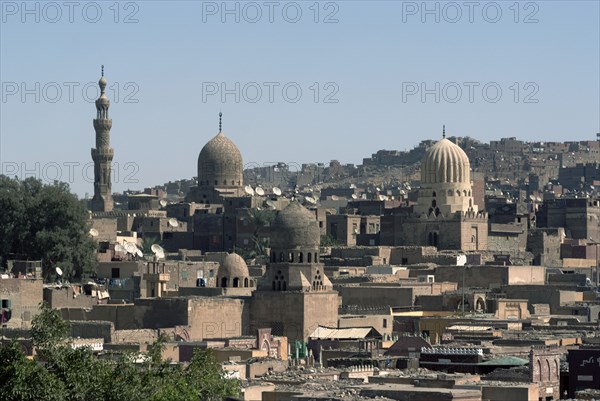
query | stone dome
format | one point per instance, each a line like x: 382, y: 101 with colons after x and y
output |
x: 295, y: 227
x: 220, y: 163
x: 445, y: 162
x: 234, y: 266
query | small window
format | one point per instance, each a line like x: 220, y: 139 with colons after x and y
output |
x: 115, y: 272
x: 184, y: 275
x: 385, y: 323
x: 211, y: 273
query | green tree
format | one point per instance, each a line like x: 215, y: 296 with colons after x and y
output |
x: 45, y: 222
x: 60, y: 372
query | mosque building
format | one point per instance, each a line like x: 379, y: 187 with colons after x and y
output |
x: 445, y: 215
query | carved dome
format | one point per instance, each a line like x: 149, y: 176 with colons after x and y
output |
x: 234, y: 266
x: 220, y: 163
x: 295, y: 227
x: 445, y: 162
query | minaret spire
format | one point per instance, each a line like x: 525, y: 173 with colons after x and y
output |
x: 220, y: 122
x: 102, y: 154
x: 444, y: 131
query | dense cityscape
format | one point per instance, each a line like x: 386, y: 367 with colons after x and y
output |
x: 457, y: 270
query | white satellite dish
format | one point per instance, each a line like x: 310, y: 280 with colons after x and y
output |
x: 162, y: 202
x: 93, y: 232
x: 334, y: 197
x: 377, y: 189
x: 139, y: 253
x: 156, y: 248
x: 352, y: 186
x: 119, y: 248
x: 271, y: 204
x: 310, y: 200
x: 259, y: 191
x: 58, y: 271
x: 277, y: 191
x: 130, y: 248
x: 354, y: 196
x: 249, y: 191
x: 173, y: 222
x: 160, y: 255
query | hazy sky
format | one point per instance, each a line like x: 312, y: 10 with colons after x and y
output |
x: 372, y: 75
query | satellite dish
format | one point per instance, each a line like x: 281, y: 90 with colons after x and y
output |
x: 310, y: 200
x: 162, y: 202
x: 352, y: 186
x: 277, y: 191
x: 173, y: 222
x: 249, y: 191
x: 354, y: 196
x: 93, y: 232
x: 377, y: 189
x: 334, y: 197
x: 58, y: 271
x: 259, y: 191
x: 130, y: 248
x: 156, y: 248
x: 140, y: 253
x: 271, y: 204
x: 160, y: 255
x: 119, y: 248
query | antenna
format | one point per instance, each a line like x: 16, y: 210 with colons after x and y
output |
x: 173, y: 222
x: 249, y: 191
x: 93, y: 232
x: 259, y: 191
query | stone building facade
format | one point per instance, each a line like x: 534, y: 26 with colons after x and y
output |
x: 295, y: 296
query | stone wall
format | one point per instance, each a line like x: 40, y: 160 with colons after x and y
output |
x: 22, y: 297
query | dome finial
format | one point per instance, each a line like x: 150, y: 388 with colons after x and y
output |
x: 102, y: 69
x: 220, y: 125
x: 444, y: 131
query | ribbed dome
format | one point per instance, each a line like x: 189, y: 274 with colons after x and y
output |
x: 445, y: 162
x: 234, y: 266
x: 220, y: 163
x: 295, y: 227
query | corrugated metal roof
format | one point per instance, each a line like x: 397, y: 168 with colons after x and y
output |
x: 345, y: 333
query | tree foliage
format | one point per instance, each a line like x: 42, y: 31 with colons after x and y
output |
x: 45, y: 222
x: 60, y: 372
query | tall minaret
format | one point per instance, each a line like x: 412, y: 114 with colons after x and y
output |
x: 102, y: 154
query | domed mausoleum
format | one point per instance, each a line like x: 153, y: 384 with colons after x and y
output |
x: 234, y: 273
x: 220, y: 170
x: 445, y: 215
x: 295, y: 285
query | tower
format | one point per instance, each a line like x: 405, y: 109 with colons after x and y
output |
x: 102, y: 154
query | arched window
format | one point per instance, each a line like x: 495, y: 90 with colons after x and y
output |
x: 457, y: 192
x: 539, y: 363
x: 433, y: 203
x: 291, y: 257
x: 284, y: 286
x: 224, y: 282
x: 274, y: 285
x: 236, y: 282
x: 433, y: 194
x: 316, y: 257
x: 300, y: 258
x: 450, y: 193
x: 281, y: 257
x: 549, y: 370
x: 279, y: 286
x: 465, y: 192
x: 308, y: 257
x: 246, y: 282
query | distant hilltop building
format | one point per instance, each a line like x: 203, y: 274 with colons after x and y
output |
x: 103, y: 153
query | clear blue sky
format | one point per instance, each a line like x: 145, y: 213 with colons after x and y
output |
x: 371, y: 56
